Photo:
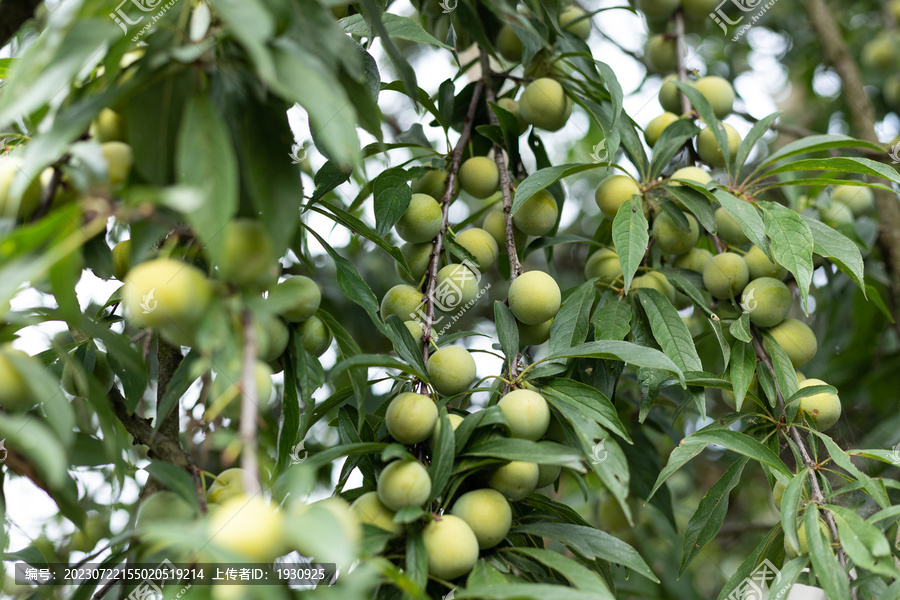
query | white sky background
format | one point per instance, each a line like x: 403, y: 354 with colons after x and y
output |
x: 29, y: 508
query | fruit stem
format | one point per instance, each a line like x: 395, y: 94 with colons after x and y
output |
x: 249, y: 403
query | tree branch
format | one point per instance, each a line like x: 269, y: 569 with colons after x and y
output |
x: 679, y: 57
x: 249, y: 407
x: 13, y: 14
x: 168, y: 359
x: 141, y: 429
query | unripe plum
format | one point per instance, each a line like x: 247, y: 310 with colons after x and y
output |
x: 348, y: 522
x: 719, y: 93
x: 661, y: 53
x: 671, y: 238
x: 545, y: 105
x: 415, y: 329
x: 460, y: 282
x: 107, y: 127
x: 699, y: 9
x: 537, y: 215
x: 655, y: 280
x: 516, y: 479
x: 769, y: 301
x: 227, y: 484
x: 316, y: 337
x: 694, y: 260
x: 371, y: 511
x: 164, y: 506
x: 417, y: 257
x: 726, y: 275
x: 603, y: 263
x: 305, y: 294
x: 709, y: 150
x: 696, y: 174
x: 509, y: 44
x: 401, y: 300
x: 434, y: 183
x: 836, y: 214
x: 421, y: 221
x: 480, y: 244
x: 729, y: 230
x: 14, y: 391
x: 575, y: 20
x: 658, y: 9
x: 455, y: 420
x: 404, y: 483
x: 881, y: 52
x: 121, y: 256
x: 654, y: 129
x: 31, y: 198
x: 670, y: 96
x: 547, y: 474
x: 860, y: 200
x: 166, y: 292
x: 797, y: 340
x: 760, y: 265
x: 495, y: 224
x: 247, y: 254
x: 119, y: 160
x: 273, y: 336
x: 534, y: 335
x: 513, y: 107
x: 801, y: 535
x: 487, y: 512
x: 526, y: 413
x: 823, y: 408
x: 534, y: 297
x: 451, y: 370
x: 613, y: 192
x: 479, y: 177
x: 451, y: 546
x: 411, y: 417
x: 250, y: 526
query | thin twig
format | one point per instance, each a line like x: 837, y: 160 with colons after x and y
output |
x: 679, y: 57
x: 249, y: 403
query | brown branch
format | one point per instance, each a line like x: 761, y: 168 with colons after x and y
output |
x: 168, y: 359
x: 249, y: 407
x: 13, y: 14
x: 141, y: 429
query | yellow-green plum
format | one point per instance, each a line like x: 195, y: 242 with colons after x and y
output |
x: 603, y: 263
x: 227, y: 484
x: 371, y: 511
x: 316, y: 337
x: 709, y: 150
x: 421, y: 221
x: 823, y: 408
x: 860, y: 200
x: 415, y: 329
x: 249, y: 526
x: 451, y: 547
x: 516, y: 479
x: 801, y: 535
x: 487, y: 512
x: 451, y: 370
x: 107, y: 127
x: 655, y: 280
x: 726, y: 275
x: 417, y: 257
x: 434, y: 183
x: 401, y: 300
x: 656, y: 126
x: 695, y: 174
x: 164, y: 506
x: 699, y: 9
x: 880, y: 53
x: 534, y: 335
x: 509, y: 44
x: 404, y: 483
x: 729, y: 230
x: 658, y: 9
x: 411, y: 417
x: 768, y: 300
x: 537, y: 215
x: 719, y: 93
x: 119, y: 160
x: 459, y: 283
x: 479, y: 177
x: 797, y: 340
x: 73, y: 381
x: 661, y: 53
x: 273, y: 337
x: 694, y: 259
x: 760, y: 265
x: 613, y: 192
x: 14, y: 391
x: 247, y: 255
x: 513, y: 107
x: 545, y: 105
x: 347, y: 518
x: 166, y: 293
x: 575, y: 20
x: 526, y: 413
x: 85, y: 539
x: 836, y: 214
x: 480, y: 244
x: 495, y: 224
x: 547, y: 474
x: 534, y: 297
x: 31, y: 198
x: 121, y: 256
x: 671, y: 238
x: 670, y: 96
x: 454, y: 419
x: 305, y: 295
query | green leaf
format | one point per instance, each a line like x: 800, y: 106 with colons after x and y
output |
x: 716, y: 326
x: 740, y: 443
x: 289, y: 426
x: 844, y: 164
x: 864, y: 543
x: 686, y: 450
x: 747, y: 216
x: 790, y: 507
x: 612, y: 321
x: 687, y: 192
x: 443, y: 454
x: 507, y: 332
x: 571, y: 323
x: 373, y: 360
x: 327, y: 178
x: 790, y: 572
x: 407, y: 347
x: 829, y: 572
x: 818, y: 143
x: 669, y: 330
x: 708, y: 116
x: 631, y: 237
x: 873, y: 486
x: 743, y: 366
x: 543, y: 179
x: 578, y: 575
x: 392, y: 196
x: 402, y: 28
x: 875, y: 298
x: 639, y: 356
x: 710, y: 514
x: 32, y: 439
x: 181, y: 380
x: 670, y: 143
x: 785, y: 374
x: 839, y: 248
x: 756, y: 132
x: 740, y: 328
x: 792, y: 244
x: 177, y: 480
x: 589, y: 400
x: 524, y: 591
x: 543, y: 453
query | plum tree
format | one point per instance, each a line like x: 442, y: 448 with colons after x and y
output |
x: 249, y: 526
x: 709, y: 150
x: 247, y: 256
x: 671, y: 238
x: 657, y: 125
x: 480, y: 244
x: 479, y: 177
x: 860, y: 200
x: 760, y: 265
x: 527, y: 414
x: 694, y: 259
x: 823, y: 408
x: 411, y: 417
x: 603, y: 263
x: 315, y: 336
x: 421, y: 220
x: 515, y: 479
x: 107, y: 127
x: 613, y: 192
x: 495, y: 224
x: 545, y: 105
x: 15, y: 393
x: 768, y: 300
x: 573, y: 19
x: 451, y: 547
x: 797, y: 340
x: 119, y: 160
x: 401, y: 300
x: 371, y: 511
x: 513, y: 107
x: 534, y: 335
x: 509, y: 44
x: 655, y: 280
x: 670, y: 96
x: 487, y: 512
x: 728, y: 229
x: 661, y: 53
x: 719, y: 93
x: 166, y: 293
x: 304, y: 298
x: 451, y: 370
x: 31, y: 198
x: 417, y: 257
x: 461, y: 280
x: 534, y: 297
x: 227, y: 484
x: 404, y: 483
x: 537, y: 215
x: 726, y: 275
